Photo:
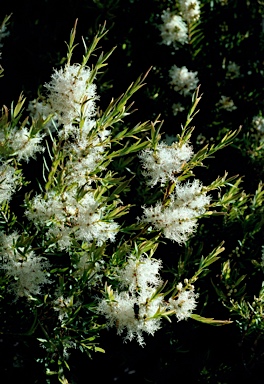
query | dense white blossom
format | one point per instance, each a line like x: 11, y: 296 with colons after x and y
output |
x: 129, y: 314
x: 21, y: 143
x: 140, y: 273
x: 21, y: 264
x: 8, y: 181
x: 226, y: 103
x: 165, y: 162
x: 173, y: 29
x: 85, y: 154
x: 70, y: 102
x: 133, y: 311
x: 70, y: 216
x: 184, y: 304
x: 71, y: 96
x: 178, y: 220
x: 137, y: 309
x: 190, y: 10
x: 182, y: 80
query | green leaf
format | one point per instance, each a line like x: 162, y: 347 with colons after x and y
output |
x: 210, y: 321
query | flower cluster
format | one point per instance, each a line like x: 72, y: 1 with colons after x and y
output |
x: 70, y: 99
x: 73, y: 212
x: 134, y: 308
x: 21, y: 142
x: 173, y: 29
x: 182, y: 80
x: 20, y: 263
x: 185, y: 301
x: 138, y: 306
x: 163, y: 163
x: 258, y: 124
x: 67, y: 215
x: 178, y: 220
x: 8, y: 182
x: 190, y: 10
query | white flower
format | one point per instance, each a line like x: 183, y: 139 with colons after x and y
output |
x: 69, y: 216
x: 182, y: 80
x: 140, y: 273
x: 27, y: 269
x: 85, y: 155
x: 8, y: 181
x: 184, y: 304
x: 190, y: 195
x: 19, y: 142
x: 173, y: 29
x: 226, y: 103
x: 71, y: 96
x: 165, y: 162
x: 258, y: 123
x: 190, y: 10
x: 123, y: 313
x: 133, y: 311
x: 178, y: 220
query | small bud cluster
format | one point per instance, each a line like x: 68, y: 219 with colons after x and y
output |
x: 174, y: 28
x: 177, y: 108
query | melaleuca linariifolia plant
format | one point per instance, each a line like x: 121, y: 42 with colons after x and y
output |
x: 73, y: 257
